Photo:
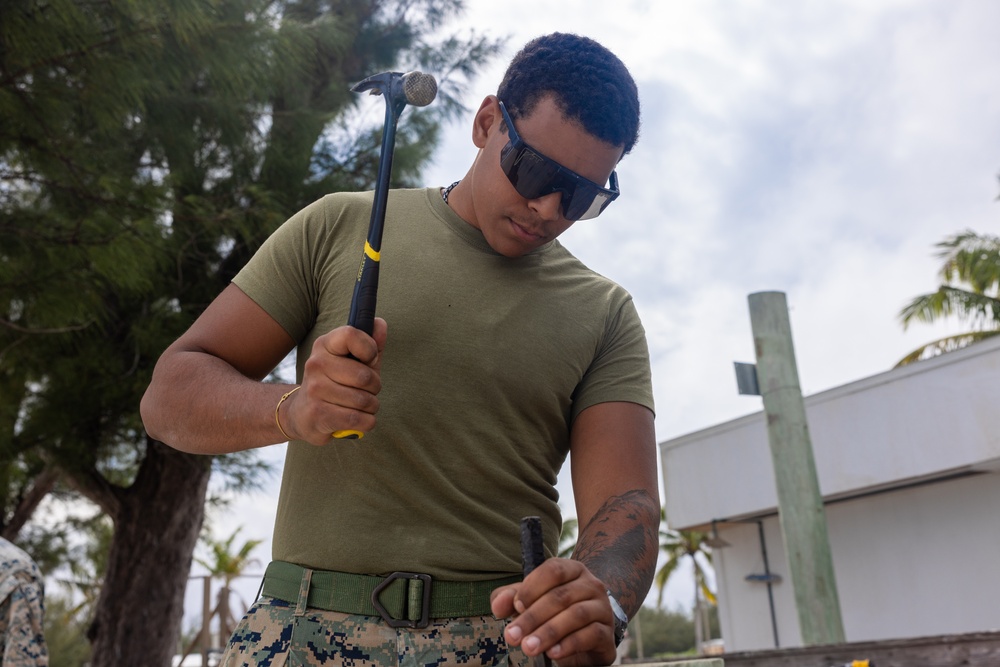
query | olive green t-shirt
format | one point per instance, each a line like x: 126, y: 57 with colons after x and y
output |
x: 488, y: 361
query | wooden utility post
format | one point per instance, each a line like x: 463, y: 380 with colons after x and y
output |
x: 204, y: 636
x: 206, y: 619
x: 800, y: 505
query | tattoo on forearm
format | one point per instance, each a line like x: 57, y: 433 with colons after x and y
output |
x: 619, y: 545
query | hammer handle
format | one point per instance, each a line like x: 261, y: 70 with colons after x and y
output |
x: 532, y: 555
x: 532, y: 547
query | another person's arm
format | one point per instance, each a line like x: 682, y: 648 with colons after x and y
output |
x: 22, y: 640
x: 206, y: 395
x: 562, y: 608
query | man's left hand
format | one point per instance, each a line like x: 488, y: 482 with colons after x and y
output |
x: 560, y: 609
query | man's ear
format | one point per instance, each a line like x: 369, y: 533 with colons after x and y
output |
x: 487, y: 117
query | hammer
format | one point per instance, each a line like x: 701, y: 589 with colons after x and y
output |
x: 398, y: 89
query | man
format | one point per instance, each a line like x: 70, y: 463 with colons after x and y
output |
x: 496, y: 353
x: 21, y: 609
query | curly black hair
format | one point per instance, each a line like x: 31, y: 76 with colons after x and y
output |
x: 590, y: 84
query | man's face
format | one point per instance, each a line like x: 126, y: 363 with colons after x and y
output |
x: 511, y: 224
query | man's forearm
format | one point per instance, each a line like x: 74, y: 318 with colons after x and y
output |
x: 203, y: 406
x: 620, y: 545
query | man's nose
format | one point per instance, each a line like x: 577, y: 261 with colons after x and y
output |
x: 548, y: 207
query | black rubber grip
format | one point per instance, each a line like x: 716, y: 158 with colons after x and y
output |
x: 365, y: 295
x: 532, y: 546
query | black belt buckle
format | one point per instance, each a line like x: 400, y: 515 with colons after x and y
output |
x: 425, y: 605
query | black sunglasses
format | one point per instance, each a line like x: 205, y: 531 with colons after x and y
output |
x: 533, y: 175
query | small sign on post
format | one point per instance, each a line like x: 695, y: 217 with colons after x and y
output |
x: 746, y: 379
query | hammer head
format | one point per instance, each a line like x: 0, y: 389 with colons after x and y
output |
x: 415, y: 88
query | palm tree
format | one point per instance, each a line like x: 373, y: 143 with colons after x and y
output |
x: 226, y: 565
x: 678, y: 545
x: 972, y: 260
x: 567, y: 538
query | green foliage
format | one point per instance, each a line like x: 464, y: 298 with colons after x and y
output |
x: 970, y: 292
x: 65, y: 634
x: 88, y: 564
x: 568, y: 535
x: 226, y: 562
x: 49, y: 547
x: 666, y: 633
x: 77, y: 568
x: 678, y: 545
x: 147, y: 149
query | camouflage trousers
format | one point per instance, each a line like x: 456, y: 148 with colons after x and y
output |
x: 275, y: 633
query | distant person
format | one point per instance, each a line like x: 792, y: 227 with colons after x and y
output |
x: 21, y: 609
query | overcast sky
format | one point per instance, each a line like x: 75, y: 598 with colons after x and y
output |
x: 819, y: 149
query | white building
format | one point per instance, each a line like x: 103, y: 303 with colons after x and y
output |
x: 907, y: 463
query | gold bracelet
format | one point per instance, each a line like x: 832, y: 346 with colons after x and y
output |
x: 278, y: 406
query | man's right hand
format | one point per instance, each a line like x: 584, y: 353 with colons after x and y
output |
x: 207, y: 394
x: 340, y: 385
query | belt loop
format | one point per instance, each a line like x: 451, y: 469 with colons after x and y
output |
x: 303, y: 601
x: 414, y: 599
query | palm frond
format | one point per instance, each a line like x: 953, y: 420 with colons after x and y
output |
x: 971, y: 258
x: 982, y: 310
x: 946, y: 344
x: 662, y: 576
x: 708, y: 593
x: 225, y: 563
x: 568, y: 537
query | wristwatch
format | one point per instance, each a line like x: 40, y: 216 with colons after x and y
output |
x: 621, y: 620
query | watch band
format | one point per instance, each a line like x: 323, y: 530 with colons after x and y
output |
x: 621, y: 619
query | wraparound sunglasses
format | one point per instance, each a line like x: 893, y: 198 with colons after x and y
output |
x: 533, y: 175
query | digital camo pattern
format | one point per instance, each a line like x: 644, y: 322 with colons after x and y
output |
x: 21, y: 609
x: 271, y: 635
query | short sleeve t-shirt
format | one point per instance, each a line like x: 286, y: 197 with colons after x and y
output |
x: 488, y: 361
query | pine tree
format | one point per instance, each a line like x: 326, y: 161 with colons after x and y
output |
x: 147, y: 149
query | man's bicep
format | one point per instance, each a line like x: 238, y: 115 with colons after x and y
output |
x: 612, y: 452
x: 238, y: 331
x: 613, y: 460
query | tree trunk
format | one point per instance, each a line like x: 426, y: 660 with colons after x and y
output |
x: 226, y: 624
x: 699, y: 635
x: 157, y: 523
x: 640, y: 651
